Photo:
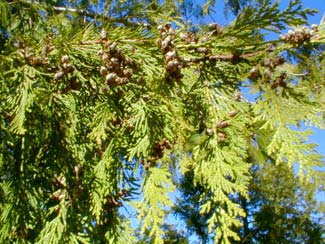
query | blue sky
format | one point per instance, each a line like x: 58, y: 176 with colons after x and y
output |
x: 317, y: 4
x: 219, y: 17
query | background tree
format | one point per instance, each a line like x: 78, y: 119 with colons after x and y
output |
x: 279, y: 208
x: 99, y: 96
x: 171, y: 236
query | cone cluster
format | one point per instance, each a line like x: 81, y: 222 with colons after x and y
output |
x: 66, y: 67
x: 173, y: 62
x: 117, y: 69
x: 266, y: 69
x: 300, y: 35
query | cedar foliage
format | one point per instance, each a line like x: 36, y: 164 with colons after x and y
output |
x: 97, y: 96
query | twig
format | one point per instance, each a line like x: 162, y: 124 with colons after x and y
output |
x: 83, y: 12
x: 223, y: 57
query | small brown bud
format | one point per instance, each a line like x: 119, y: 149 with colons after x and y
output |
x: 270, y: 48
x: 67, y: 67
x: 50, y: 48
x: 111, y: 77
x: 283, y: 75
x: 115, y: 61
x: 203, y: 50
x: 254, y: 73
x: 170, y: 55
x: 167, y: 144
x: 128, y: 73
x: 267, y: 62
x: 21, y: 53
x: 278, y: 60
x: 59, y: 181
x: 35, y: 61
x: 113, y: 46
x: 172, y: 66
x: 107, y: 44
x: 103, y: 70
x: 274, y: 84
x: 178, y: 75
x: 238, y: 96
x: 116, y: 203
x: 100, y: 52
x: 205, y: 39
x: 145, y: 97
x: 147, y: 166
x: 314, y: 27
x: 57, y: 209
x: 29, y: 55
x: 267, y: 74
x: 232, y: 113
x: 17, y: 44
x: 222, y: 124
x: 129, y: 61
x: 183, y: 35
x: 65, y: 59
x: 222, y: 136
x: 168, y: 26
x: 171, y: 31
x: 58, y: 196
x: 103, y: 34
x: 215, y: 28
x: 209, y: 132
x: 166, y: 42
x: 121, y: 80
x: 58, y: 75
x: 105, y: 57
x: 105, y: 90
x: 126, y: 192
x: 164, y: 35
x: 76, y: 170
x: 161, y: 28
x: 212, y: 26
x: 282, y: 84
